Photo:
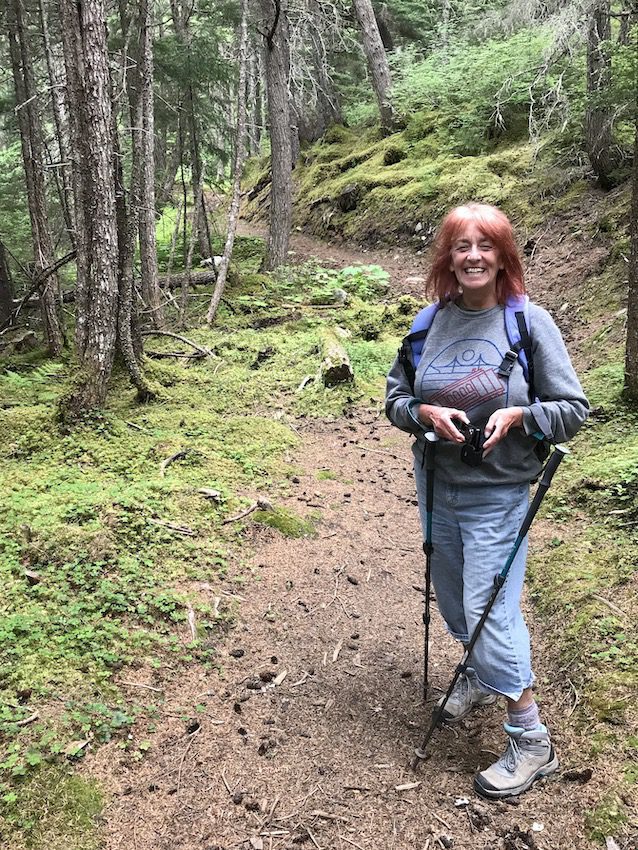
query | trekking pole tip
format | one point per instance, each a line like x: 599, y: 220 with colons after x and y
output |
x: 417, y: 759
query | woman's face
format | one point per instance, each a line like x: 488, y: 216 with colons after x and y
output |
x: 475, y: 261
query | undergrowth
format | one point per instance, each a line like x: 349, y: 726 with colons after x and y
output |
x: 584, y: 584
x: 106, y: 540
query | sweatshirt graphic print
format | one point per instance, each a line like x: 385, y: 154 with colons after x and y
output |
x: 465, y: 375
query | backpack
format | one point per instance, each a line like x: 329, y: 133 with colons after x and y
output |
x: 516, y: 327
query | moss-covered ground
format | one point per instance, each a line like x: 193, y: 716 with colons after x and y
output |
x: 584, y: 585
x: 103, y: 543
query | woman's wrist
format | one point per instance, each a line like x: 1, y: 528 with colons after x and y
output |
x: 422, y: 412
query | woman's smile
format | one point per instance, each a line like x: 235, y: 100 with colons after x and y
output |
x: 475, y: 263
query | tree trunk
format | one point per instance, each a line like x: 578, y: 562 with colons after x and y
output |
x: 146, y: 131
x: 127, y: 229
x: 6, y: 287
x: 319, y: 108
x: 377, y: 61
x: 631, y: 351
x: 277, y: 72
x: 32, y: 155
x: 598, y: 135
x: 252, y: 101
x: 170, y: 175
x: 87, y: 63
x: 240, y: 155
x: 180, y: 23
x: 60, y: 118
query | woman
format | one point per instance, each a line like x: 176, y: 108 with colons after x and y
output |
x: 478, y: 509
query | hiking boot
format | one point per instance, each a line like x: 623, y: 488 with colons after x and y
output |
x: 529, y: 755
x: 465, y: 696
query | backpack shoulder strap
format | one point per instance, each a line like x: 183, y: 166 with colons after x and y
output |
x: 517, y: 327
x: 412, y: 344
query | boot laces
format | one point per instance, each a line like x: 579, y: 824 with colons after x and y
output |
x: 511, y: 757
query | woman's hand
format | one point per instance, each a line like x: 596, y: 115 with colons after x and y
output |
x: 442, y: 420
x: 499, y: 424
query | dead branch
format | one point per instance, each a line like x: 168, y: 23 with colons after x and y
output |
x: 165, y: 463
x: 262, y: 504
x: 165, y: 355
x: 610, y: 605
x: 350, y: 841
x: 36, y: 283
x: 140, y: 685
x: 173, y: 526
x: 203, y: 351
x: 376, y: 451
x: 27, y: 720
x: 185, y: 753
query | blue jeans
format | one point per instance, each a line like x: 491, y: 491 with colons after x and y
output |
x: 473, y: 532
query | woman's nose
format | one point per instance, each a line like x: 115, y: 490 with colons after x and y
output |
x: 474, y: 252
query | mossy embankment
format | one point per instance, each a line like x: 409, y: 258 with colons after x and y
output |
x: 115, y: 553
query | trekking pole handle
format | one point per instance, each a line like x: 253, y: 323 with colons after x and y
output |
x: 560, y: 451
x: 431, y: 439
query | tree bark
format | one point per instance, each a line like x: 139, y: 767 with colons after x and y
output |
x: 377, y: 61
x: 6, y: 287
x: 631, y: 350
x: 127, y: 230
x: 88, y: 76
x: 180, y: 23
x: 598, y: 135
x: 240, y: 155
x: 277, y: 60
x: 32, y: 156
x: 60, y: 118
x: 252, y: 100
x: 146, y: 131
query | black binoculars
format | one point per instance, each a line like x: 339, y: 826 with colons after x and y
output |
x: 472, y: 451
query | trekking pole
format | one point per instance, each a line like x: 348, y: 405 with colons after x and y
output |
x: 430, y: 449
x: 499, y: 580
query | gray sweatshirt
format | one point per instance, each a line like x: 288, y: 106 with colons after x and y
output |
x: 458, y: 368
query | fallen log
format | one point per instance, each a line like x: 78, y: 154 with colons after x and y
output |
x: 335, y: 364
x: 175, y: 281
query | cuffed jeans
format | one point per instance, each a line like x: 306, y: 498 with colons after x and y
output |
x: 473, y: 532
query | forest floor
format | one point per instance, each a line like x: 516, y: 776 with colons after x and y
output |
x: 303, y: 735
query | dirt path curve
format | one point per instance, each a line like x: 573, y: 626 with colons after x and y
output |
x: 302, y: 736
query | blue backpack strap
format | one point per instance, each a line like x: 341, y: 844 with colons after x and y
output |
x: 517, y: 329
x: 412, y: 344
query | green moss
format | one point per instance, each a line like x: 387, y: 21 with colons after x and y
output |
x: 607, y: 817
x: 326, y: 475
x: 285, y: 521
x: 56, y: 810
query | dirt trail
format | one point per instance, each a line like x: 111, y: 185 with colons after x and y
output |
x: 316, y: 757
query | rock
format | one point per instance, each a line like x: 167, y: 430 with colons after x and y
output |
x: 348, y: 198
x: 267, y: 675
x: 576, y: 775
x: 237, y: 653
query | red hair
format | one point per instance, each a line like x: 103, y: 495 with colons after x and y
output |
x: 498, y: 229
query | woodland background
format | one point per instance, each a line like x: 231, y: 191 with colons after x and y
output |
x: 131, y: 137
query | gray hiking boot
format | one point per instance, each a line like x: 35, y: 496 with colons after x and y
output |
x: 465, y: 696
x: 529, y: 755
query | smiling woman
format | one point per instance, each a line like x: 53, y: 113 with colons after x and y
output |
x: 469, y: 374
x: 475, y: 263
